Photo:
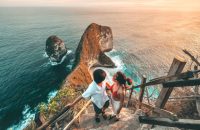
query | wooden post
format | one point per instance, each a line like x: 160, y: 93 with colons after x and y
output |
x: 130, y: 95
x: 147, y: 94
x: 196, y: 89
x: 176, y: 68
x: 129, y: 98
x: 142, y: 88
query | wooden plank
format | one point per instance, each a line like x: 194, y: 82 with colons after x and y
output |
x: 173, y: 100
x: 51, y: 120
x: 193, y: 96
x: 79, y: 113
x: 166, y: 114
x: 64, y: 115
x: 184, y: 75
x: 147, y: 93
x: 159, y: 80
x: 162, y: 112
x: 46, y: 124
x: 181, y: 83
x: 176, y: 68
x: 196, y: 89
x: 142, y: 88
x: 181, y: 123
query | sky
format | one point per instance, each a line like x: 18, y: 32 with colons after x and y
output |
x: 165, y: 4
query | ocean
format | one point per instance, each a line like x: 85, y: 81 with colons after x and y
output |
x: 145, y: 43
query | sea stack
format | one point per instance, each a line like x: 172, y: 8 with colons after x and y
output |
x: 55, y: 48
x: 90, y: 53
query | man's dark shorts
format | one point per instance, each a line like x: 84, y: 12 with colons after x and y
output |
x: 98, y: 110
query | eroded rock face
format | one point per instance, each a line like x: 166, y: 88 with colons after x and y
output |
x: 94, y: 42
x: 106, y: 39
x: 55, y: 48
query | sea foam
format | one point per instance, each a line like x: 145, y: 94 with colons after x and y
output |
x: 57, y: 63
x: 29, y: 115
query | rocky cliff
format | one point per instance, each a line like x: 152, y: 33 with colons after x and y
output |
x: 90, y: 53
x: 55, y: 48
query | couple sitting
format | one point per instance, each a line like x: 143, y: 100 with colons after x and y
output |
x: 97, y: 92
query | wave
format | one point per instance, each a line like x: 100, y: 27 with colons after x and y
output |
x: 132, y: 73
x: 52, y: 95
x: 57, y: 63
x: 45, y: 55
x: 120, y: 66
x: 29, y: 115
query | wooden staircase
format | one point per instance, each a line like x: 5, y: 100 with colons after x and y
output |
x: 128, y: 120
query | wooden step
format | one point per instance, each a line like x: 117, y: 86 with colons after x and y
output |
x: 127, y: 121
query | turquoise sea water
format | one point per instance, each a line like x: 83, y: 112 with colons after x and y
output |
x: 145, y: 42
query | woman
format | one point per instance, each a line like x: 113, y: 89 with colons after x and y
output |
x: 118, y: 90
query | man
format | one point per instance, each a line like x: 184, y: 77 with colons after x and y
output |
x: 97, y: 92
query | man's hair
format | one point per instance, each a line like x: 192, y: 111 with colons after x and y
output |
x: 99, y: 75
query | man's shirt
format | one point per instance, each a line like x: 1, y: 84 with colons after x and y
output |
x: 97, y: 93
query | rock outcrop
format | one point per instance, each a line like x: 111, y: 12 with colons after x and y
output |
x: 55, y: 48
x: 90, y: 53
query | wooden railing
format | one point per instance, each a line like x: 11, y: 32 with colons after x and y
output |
x: 79, y: 113
x: 54, y: 119
x: 174, y: 79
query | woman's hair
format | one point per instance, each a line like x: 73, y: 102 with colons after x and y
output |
x: 121, y: 78
x: 99, y: 75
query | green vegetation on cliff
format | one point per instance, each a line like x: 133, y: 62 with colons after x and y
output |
x: 64, y: 96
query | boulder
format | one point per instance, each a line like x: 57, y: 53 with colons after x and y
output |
x: 55, y: 48
x: 90, y: 53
